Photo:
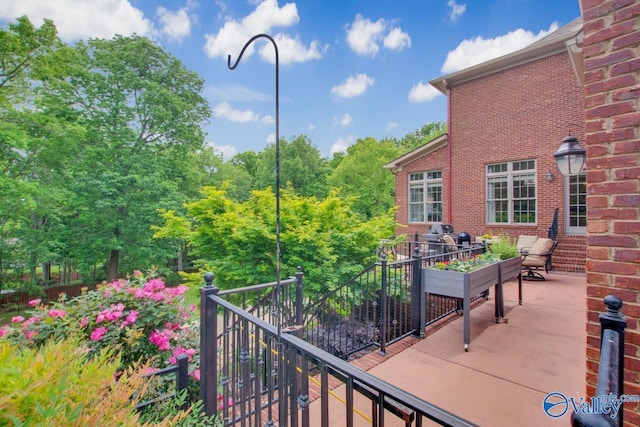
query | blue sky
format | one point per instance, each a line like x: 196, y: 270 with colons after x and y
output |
x: 349, y: 69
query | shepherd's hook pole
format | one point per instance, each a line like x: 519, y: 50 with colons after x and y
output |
x: 233, y: 67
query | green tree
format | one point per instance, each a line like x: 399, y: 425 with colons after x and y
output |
x: 236, y: 240
x: 37, y: 143
x: 361, y: 174
x: 143, y: 111
x: 425, y: 134
x: 301, y: 166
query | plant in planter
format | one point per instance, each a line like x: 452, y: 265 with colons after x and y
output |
x: 466, y: 265
x: 504, y: 248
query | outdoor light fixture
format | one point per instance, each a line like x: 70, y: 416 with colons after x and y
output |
x: 570, y: 157
x: 548, y: 176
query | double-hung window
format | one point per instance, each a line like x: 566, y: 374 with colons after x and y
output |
x: 576, y: 204
x: 511, y: 192
x: 425, y: 197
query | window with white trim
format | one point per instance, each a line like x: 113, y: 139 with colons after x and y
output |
x: 425, y: 197
x: 511, y: 192
x: 576, y: 204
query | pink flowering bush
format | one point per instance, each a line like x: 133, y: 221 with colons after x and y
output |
x: 141, y: 317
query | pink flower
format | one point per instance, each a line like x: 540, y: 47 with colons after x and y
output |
x: 221, y: 405
x: 84, y: 322
x: 34, y: 302
x: 161, y: 339
x: 30, y: 321
x: 98, y: 333
x: 192, y: 308
x: 17, y: 319
x: 196, y: 374
x: 137, y: 274
x: 4, y: 331
x: 132, y: 317
x: 56, y: 313
x: 30, y: 334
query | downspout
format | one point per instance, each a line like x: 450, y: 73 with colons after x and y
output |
x: 449, y: 156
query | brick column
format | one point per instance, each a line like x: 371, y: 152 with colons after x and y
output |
x: 612, y: 121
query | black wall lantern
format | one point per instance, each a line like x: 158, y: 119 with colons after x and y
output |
x: 570, y: 157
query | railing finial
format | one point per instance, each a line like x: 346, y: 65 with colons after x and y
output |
x: 614, y: 304
x: 208, y: 279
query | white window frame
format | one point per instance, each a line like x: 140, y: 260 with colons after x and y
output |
x: 568, y: 188
x: 509, y: 173
x: 425, y: 181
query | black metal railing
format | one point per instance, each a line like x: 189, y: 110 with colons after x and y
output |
x: 552, y: 231
x: 381, y: 305
x: 253, y: 375
x: 181, y: 371
x: 611, y: 367
x: 263, y: 301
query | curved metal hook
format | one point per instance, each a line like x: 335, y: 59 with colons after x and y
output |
x: 277, y: 88
x: 246, y: 45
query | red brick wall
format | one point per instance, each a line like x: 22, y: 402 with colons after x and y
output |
x: 436, y: 160
x: 612, y: 119
x: 517, y: 114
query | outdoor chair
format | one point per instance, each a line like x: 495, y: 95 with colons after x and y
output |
x: 452, y: 246
x: 537, y: 258
x: 525, y: 243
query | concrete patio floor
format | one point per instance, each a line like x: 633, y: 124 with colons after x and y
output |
x: 510, y: 367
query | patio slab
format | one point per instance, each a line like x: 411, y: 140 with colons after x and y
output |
x: 510, y: 367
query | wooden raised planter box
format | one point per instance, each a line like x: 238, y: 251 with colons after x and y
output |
x: 465, y: 285
x: 510, y: 269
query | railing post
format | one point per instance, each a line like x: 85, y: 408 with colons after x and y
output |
x: 383, y: 304
x: 208, y: 346
x: 615, y: 321
x: 417, y: 296
x: 299, y: 305
x: 182, y: 378
x: 612, y: 324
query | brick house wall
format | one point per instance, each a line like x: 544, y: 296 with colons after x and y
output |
x: 520, y: 112
x: 612, y: 122
x: 436, y: 160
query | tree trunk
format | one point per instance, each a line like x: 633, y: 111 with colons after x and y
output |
x: 112, y: 268
x: 180, y: 252
x: 46, y: 272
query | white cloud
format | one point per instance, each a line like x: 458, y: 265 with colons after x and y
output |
x: 271, y: 138
x: 225, y: 111
x: 175, y: 25
x: 290, y: 50
x: 397, y: 39
x: 364, y: 36
x: 237, y: 93
x: 267, y: 120
x: 353, y: 86
x: 226, y: 151
x: 391, y: 126
x: 230, y: 39
x: 342, y: 144
x: 422, y: 92
x: 343, y: 121
x: 80, y: 19
x: 312, y: 126
x: 457, y: 10
x: 479, y: 50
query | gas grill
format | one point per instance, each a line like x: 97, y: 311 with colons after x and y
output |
x: 435, y: 238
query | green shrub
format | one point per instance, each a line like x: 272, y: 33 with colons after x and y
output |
x: 57, y: 385
x: 504, y: 248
